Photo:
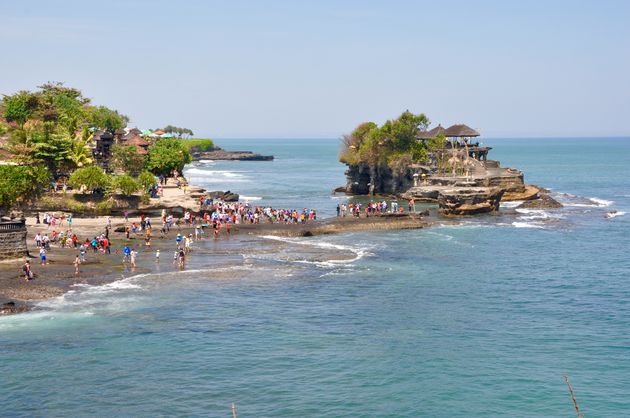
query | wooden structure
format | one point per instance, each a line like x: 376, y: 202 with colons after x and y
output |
x: 459, y: 136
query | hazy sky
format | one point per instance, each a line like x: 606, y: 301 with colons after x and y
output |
x: 318, y: 68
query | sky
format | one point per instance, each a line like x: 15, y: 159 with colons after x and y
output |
x: 289, y: 69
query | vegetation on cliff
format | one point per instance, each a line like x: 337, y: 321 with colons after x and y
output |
x: 49, y: 136
x: 52, y: 126
x: 199, y: 145
x: 393, y: 144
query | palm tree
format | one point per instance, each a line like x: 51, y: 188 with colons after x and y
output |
x: 79, y: 154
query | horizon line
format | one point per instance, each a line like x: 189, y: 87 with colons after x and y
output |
x: 480, y: 137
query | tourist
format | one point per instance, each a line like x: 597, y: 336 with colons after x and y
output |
x: 70, y: 222
x: 26, y: 268
x: 126, y: 253
x: 132, y: 257
x: 42, y: 256
x: 77, y: 262
x: 157, y: 256
x: 181, y: 258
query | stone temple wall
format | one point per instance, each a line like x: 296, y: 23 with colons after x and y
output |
x: 12, y: 239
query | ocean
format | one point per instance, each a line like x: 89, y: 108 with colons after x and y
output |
x: 481, y: 317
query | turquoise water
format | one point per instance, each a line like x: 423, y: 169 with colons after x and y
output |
x: 481, y: 318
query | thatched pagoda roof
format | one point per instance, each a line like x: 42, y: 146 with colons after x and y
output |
x: 460, y: 131
x: 137, y: 140
x: 432, y: 133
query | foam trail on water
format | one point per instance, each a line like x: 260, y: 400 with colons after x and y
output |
x: 611, y: 215
x: 526, y: 225
x: 359, y: 252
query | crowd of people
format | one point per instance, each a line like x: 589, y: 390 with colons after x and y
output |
x: 373, y: 208
x: 217, y: 216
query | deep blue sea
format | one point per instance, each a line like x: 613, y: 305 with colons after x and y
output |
x: 475, y: 319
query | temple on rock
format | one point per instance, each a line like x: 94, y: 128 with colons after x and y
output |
x: 456, y: 174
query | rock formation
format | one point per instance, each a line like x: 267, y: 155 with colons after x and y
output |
x: 459, y: 184
x: 469, y: 200
x: 543, y: 202
x: 220, y: 154
x: 227, y: 196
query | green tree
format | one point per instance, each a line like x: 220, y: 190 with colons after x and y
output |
x: 21, y: 184
x: 393, y: 143
x: 91, y: 178
x: 351, y: 143
x: 19, y: 107
x: 127, y: 159
x: 125, y: 184
x: 100, y: 117
x: 437, y: 143
x: 180, y: 132
x: 54, y: 153
x: 167, y: 155
x: 146, y: 180
x: 79, y: 153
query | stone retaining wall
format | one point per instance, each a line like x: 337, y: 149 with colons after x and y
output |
x: 12, y: 239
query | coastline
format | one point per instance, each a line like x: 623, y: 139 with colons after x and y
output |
x: 58, y: 277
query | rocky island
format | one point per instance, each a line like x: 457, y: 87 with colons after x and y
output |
x: 221, y: 154
x: 444, y: 166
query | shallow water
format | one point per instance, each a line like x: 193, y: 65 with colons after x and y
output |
x: 479, y: 318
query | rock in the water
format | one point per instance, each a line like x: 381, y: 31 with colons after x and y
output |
x: 543, y: 202
x: 528, y: 192
x: 227, y: 196
x: 11, y: 308
x: 219, y: 154
x: 469, y: 200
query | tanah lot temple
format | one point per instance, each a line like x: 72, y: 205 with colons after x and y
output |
x: 459, y: 176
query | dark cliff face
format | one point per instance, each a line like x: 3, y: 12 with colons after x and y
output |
x: 364, y: 179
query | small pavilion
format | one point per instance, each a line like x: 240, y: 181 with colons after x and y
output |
x: 459, y: 136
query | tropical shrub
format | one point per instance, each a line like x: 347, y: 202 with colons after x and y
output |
x: 146, y: 180
x: 125, y: 184
x: 90, y: 177
x: 21, y: 184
